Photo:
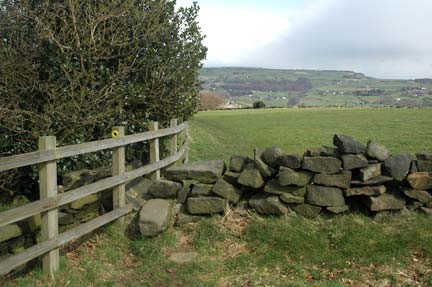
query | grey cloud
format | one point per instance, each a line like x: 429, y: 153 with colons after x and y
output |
x: 382, y: 38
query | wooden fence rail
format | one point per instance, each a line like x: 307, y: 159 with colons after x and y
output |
x: 50, y: 201
x: 41, y: 156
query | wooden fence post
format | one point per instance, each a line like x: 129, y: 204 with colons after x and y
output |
x: 154, y: 149
x: 174, y: 138
x: 48, y: 188
x: 118, y: 167
x: 186, y: 158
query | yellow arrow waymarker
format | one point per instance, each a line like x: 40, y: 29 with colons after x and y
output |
x: 115, y: 134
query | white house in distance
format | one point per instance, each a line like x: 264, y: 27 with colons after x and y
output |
x: 230, y: 105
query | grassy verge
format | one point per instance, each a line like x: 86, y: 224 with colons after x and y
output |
x: 255, y: 251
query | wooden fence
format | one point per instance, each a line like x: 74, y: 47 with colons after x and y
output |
x: 50, y: 201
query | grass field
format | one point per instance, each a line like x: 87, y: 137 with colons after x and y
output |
x: 351, y: 250
x: 219, y: 134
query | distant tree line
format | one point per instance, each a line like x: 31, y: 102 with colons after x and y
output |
x: 369, y: 93
x: 299, y: 85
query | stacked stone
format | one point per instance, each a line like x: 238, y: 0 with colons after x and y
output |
x: 79, y: 211
x: 84, y: 209
x: 419, y: 180
x: 15, y: 238
x: 204, y: 189
x: 333, y: 179
x: 324, y: 180
x: 198, y: 188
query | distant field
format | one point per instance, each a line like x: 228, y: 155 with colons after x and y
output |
x: 219, y: 134
x: 281, y: 88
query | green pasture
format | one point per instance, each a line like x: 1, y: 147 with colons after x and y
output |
x: 219, y: 134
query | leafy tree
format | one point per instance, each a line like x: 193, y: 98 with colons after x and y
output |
x: 75, y: 68
x: 258, y: 105
x: 210, y: 100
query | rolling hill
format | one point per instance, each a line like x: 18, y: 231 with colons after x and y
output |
x: 279, y: 88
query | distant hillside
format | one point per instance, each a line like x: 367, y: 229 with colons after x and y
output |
x: 243, y: 86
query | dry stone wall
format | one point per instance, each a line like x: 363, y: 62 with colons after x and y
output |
x: 349, y: 177
x: 15, y: 238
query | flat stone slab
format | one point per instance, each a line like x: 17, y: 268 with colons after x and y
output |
x: 201, y: 189
x: 342, y: 180
x: 205, y: 172
x: 324, y: 196
x: 420, y: 180
x: 290, y: 160
x: 274, y: 187
x: 381, y: 179
x: 366, y: 190
x: 289, y: 198
x: 268, y: 205
x: 9, y: 231
x: 80, y: 203
x: 182, y: 257
x: 154, y: 217
x: 353, y: 161
x: 398, y: 166
x: 420, y: 195
x: 206, y: 205
x: 347, y: 144
x: 370, y: 172
x: 164, y: 188
x: 387, y: 201
x: 289, y: 176
x: 321, y: 164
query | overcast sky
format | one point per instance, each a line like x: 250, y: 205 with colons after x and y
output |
x: 381, y: 38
